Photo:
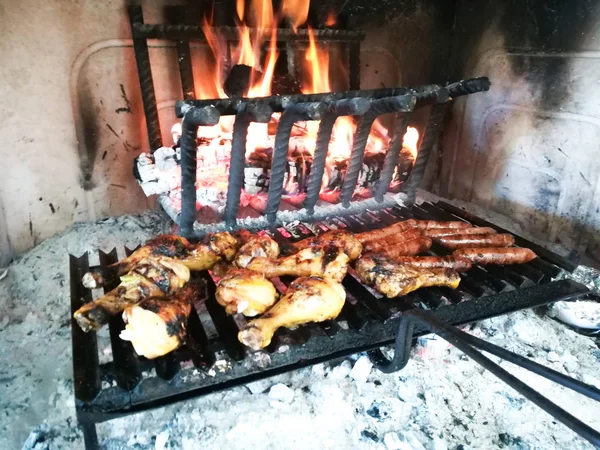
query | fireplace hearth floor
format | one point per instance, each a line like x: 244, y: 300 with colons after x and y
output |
x: 440, y: 400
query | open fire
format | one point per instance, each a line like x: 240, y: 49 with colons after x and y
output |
x: 253, y: 74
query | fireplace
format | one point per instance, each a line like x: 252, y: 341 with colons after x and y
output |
x: 291, y: 122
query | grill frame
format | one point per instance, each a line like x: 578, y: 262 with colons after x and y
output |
x: 371, y: 323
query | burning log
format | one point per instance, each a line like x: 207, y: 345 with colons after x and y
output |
x: 257, y: 170
x: 238, y: 80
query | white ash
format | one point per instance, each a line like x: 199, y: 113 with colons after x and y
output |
x: 440, y: 400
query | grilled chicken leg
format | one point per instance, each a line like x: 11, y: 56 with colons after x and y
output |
x: 342, y: 239
x: 310, y: 299
x: 150, y: 277
x: 246, y: 292
x: 328, y: 261
x: 199, y: 256
x: 157, y: 325
x: 255, y: 246
x: 394, y: 279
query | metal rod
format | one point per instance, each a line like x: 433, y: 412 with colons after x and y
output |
x: 402, y: 103
x: 562, y: 379
x: 194, y: 32
x: 228, y: 106
x: 430, y: 137
x: 246, y: 114
x: 142, y: 58
x: 391, y: 158
x: 194, y: 118
x: 357, y: 106
x: 354, y: 65
x: 86, y: 365
x: 295, y: 113
x: 457, y: 338
x: 184, y: 57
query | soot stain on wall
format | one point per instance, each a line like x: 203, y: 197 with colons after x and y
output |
x: 548, y: 26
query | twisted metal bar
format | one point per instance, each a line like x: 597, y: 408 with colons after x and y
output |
x: 246, y: 114
x: 466, y: 87
x: 403, y: 103
x: 142, y: 58
x: 228, y: 106
x: 194, y: 32
x: 430, y: 137
x: 391, y: 158
x: 184, y: 57
x: 299, y: 111
x: 189, y: 130
x: 354, y: 65
x: 355, y: 107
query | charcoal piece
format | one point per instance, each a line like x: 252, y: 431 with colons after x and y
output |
x: 296, y: 175
x: 257, y: 171
x: 238, y: 80
x: 371, y: 170
x: 285, y: 84
x: 405, y: 163
x: 335, y: 173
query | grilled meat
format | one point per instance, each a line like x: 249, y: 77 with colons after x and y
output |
x: 407, y: 248
x: 393, y: 279
x: 246, y: 292
x: 486, y: 256
x: 151, y: 277
x: 255, y: 246
x: 342, y: 239
x: 385, y: 243
x: 467, y: 241
x: 194, y: 256
x: 328, y: 261
x: 157, y: 325
x: 310, y: 299
x: 435, y: 262
x: 400, y: 227
x: 439, y: 232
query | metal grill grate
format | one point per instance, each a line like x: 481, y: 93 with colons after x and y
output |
x: 366, y: 322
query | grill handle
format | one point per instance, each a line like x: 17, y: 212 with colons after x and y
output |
x: 472, y: 347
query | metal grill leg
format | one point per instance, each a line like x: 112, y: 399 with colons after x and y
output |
x: 90, y: 436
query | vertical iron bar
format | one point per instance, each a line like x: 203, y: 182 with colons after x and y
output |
x: 184, y: 56
x: 354, y: 65
x: 142, y: 58
x: 126, y: 362
x: 317, y: 168
x: 294, y: 113
x: 189, y: 167
x: 236, y: 166
x: 356, y: 106
x: 430, y: 137
x: 246, y: 113
x: 90, y: 436
x: 401, y: 103
x: 391, y: 158
x: 192, y: 119
x: 86, y: 365
x: 356, y: 157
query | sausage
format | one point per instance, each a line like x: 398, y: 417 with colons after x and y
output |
x: 484, y: 256
x: 383, y: 233
x: 435, y: 262
x: 467, y: 241
x: 382, y: 244
x: 408, y: 248
x: 439, y: 232
x: 432, y: 224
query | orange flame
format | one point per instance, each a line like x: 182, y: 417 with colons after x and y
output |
x: 296, y: 11
x: 240, y: 8
x: 410, y: 141
x: 331, y: 20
